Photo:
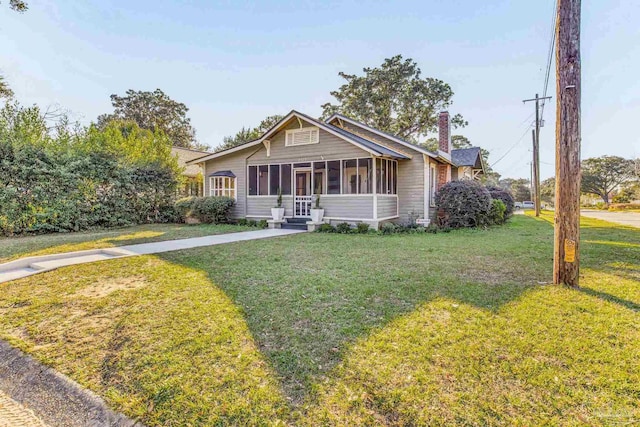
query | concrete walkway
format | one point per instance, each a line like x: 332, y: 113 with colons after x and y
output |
x: 38, y: 264
x: 625, y: 218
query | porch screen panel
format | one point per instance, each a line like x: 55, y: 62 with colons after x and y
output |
x: 333, y: 177
x: 253, y: 180
x: 263, y: 180
x: 395, y: 177
x: 389, y: 177
x: 274, y: 179
x: 319, y: 170
x: 350, y: 177
x: 364, y: 176
x: 382, y: 176
x: 285, y: 179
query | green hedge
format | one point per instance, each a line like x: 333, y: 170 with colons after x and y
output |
x: 71, y: 180
x: 213, y: 210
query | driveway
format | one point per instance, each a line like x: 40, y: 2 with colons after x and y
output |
x: 625, y: 218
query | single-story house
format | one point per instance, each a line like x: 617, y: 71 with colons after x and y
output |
x: 361, y: 174
x: 193, y: 182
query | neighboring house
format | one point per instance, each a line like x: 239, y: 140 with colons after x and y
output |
x: 193, y: 183
x: 362, y: 174
x: 469, y: 162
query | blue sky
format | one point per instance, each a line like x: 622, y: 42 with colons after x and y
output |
x: 233, y: 63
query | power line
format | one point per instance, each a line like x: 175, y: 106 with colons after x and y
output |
x: 513, y: 146
x: 552, y: 43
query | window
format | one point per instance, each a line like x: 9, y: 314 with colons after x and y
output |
x: 333, y: 177
x: 222, y: 186
x: 304, y: 136
x: 263, y: 180
x: 349, y: 177
x: 364, y: 176
x: 318, y: 177
x: 253, y: 180
x: 285, y: 178
x: 274, y: 179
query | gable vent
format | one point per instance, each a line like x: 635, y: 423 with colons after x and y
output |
x: 302, y: 136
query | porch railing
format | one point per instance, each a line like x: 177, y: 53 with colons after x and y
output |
x: 302, y: 206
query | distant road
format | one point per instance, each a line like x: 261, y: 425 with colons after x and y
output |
x: 625, y: 218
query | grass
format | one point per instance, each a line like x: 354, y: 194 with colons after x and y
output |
x: 16, y: 247
x: 324, y: 329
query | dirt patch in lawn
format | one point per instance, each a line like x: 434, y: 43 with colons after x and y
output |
x: 104, y: 288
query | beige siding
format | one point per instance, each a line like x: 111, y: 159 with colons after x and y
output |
x: 328, y: 147
x: 410, y: 174
x: 236, y: 163
x: 260, y: 206
x: 387, y: 206
x: 411, y: 188
x: 351, y: 207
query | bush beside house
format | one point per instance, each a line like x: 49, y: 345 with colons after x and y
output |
x: 73, y: 179
x: 212, y: 210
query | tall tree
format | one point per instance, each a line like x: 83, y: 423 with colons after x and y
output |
x: 602, y: 175
x: 5, y: 90
x: 548, y: 190
x: 394, y: 98
x: 154, y: 111
x: 18, y: 5
x: 520, y: 188
x: 249, y: 134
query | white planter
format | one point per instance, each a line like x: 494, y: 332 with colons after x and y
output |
x: 316, y: 215
x: 277, y: 214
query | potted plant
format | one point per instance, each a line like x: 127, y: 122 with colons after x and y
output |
x: 317, y: 212
x: 278, y: 212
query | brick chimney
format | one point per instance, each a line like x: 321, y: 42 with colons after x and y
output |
x: 444, y: 132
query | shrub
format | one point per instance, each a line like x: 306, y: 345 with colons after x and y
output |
x: 343, y: 228
x: 498, y: 210
x: 242, y: 221
x: 262, y: 223
x: 362, y: 228
x: 213, y: 210
x: 183, y: 207
x: 498, y: 193
x: 624, y: 206
x: 326, y: 228
x: 252, y: 223
x: 464, y: 204
x: 601, y: 206
x: 388, y: 228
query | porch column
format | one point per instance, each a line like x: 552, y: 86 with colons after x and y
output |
x: 375, y: 187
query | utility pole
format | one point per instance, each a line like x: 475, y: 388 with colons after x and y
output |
x: 566, y: 260
x: 536, y: 154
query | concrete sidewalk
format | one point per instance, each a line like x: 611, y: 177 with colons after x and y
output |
x: 631, y: 219
x: 24, y: 267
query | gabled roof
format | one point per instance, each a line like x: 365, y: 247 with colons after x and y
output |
x: 377, y: 147
x: 384, y: 134
x: 366, y: 145
x: 185, y: 155
x: 466, y: 156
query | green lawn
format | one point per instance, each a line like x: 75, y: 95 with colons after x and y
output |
x: 323, y: 329
x: 15, y: 247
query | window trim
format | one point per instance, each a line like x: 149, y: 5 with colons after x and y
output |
x: 223, y: 188
x: 288, y: 140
